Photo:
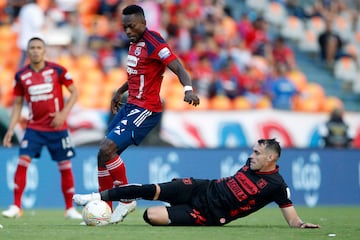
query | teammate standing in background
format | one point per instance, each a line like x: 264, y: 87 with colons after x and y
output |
x: 203, y: 202
x: 148, y: 57
x: 40, y: 83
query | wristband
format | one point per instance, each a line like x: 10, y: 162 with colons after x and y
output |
x: 188, y: 88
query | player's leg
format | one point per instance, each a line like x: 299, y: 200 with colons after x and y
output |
x: 178, y: 215
x: 129, y: 127
x: 61, y: 150
x: 30, y: 147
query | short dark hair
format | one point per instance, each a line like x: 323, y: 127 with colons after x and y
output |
x: 36, y: 38
x: 133, y: 9
x: 271, y: 144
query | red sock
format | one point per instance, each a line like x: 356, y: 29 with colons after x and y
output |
x: 117, y: 170
x: 67, y: 182
x: 105, y: 181
x: 20, y: 179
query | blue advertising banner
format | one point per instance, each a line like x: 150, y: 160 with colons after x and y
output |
x: 315, y: 176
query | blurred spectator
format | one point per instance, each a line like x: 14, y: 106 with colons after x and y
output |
x: 283, y: 54
x: 228, y: 80
x: 78, y: 34
x: 203, y: 77
x: 31, y: 24
x: 280, y: 89
x: 335, y: 131
x: 257, y: 38
x: 330, y: 45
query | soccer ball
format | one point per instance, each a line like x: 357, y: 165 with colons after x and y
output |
x: 96, y: 213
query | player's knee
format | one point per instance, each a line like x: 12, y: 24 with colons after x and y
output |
x: 106, y: 151
x: 146, y: 217
x: 155, y: 217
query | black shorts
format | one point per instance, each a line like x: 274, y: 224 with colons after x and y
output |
x: 188, y: 204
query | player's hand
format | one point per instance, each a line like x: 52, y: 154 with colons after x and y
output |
x: 7, y: 139
x: 116, y: 104
x: 309, y: 225
x: 191, y: 98
x: 58, y: 119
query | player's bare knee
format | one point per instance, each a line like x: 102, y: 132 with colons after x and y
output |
x: 156, y: 216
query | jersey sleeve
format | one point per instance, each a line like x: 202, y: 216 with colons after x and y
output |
x: 282, y: 196
x: 65, y: 76
x: 18, y: 88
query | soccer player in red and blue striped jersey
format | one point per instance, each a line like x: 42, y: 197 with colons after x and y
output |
x: 40, y: 84
x: 148, y: 57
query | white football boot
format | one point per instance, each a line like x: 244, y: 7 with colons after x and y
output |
x: 72, y: 213
x: 13, y: 212
x: 83, y: 199
x: 121, y: 211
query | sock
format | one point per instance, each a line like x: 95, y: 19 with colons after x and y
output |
x: 117, y: 170
x: 105, y: 181
x: 130, y: 192
x: 20, y: 179
x: 67, y: 182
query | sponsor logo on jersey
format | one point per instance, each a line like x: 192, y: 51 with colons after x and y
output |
x: 164, y: 53
x: 48, y: 72
x: 140, y: 44
x: 40, y: 89
x: 42, y: 97
x: 48, y: 79
x: 132, y: 61
x: 26, y: 75
x: 130, y: 71
x: 138, y: 51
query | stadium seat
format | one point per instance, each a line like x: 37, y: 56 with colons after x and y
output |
x: 298, y: 78
x: 316, y: 25
x: 313, y: 90
x: 241, y: 103
x: 116, y: 77
x: 330, y: 103
x: 275, y: 13
x: 345, y: 69
x: 308, y: 42
x: 293, y: 28
x: 6, y: 88
x: 86, y: 62
x: 263, y: 102
x: 257, y: 5
x: 343, y: 27
x: 220, y: 102
x: 356, y: 84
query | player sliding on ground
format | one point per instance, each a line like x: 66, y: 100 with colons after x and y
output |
x: 202, y: 202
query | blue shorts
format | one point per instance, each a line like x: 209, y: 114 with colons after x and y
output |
x: 58, y: 144
x: 131, y: 125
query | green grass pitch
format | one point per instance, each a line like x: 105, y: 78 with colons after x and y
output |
x: 267, y: 223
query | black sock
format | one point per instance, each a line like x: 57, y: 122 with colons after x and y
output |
x: 129, y: 192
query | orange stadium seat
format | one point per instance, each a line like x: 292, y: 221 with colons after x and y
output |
x: 86, y: 62
x: 330, y: 103
x: 241, y: 103
x: 220, y: 102
x: 263, y: 102
x: 116, y: 77
x: 298, y: 78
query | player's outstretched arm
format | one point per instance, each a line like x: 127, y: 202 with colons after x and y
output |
x: 294, y: 220
x: 190, y: 97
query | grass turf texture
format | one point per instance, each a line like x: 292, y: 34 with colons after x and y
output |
x: 266, y: 224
